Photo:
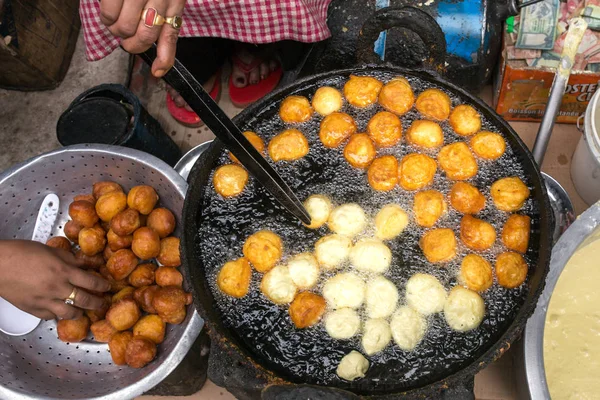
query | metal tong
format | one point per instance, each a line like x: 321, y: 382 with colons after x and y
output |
x: 227, y: 132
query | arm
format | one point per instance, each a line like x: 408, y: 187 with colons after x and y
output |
x: 37, y: 279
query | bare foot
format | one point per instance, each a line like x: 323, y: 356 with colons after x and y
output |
x: 180, y: 102
x: 241, y: 78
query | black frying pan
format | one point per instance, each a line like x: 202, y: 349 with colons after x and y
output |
x: 261, y: 336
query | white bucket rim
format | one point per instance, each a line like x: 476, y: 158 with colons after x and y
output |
x: 590, y: 129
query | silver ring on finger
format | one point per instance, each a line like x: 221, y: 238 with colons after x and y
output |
x: 70, y: 301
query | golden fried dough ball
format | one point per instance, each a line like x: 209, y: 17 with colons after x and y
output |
x: 304, y: 270
x: 101, y: 188
x: 488, y: 145
x: 169, y: 255
x: 425, y: 133
x: 142, y: 275
x: 151, y: 327
x: 344, y: 290
x: 295, y: 109
x: 116, y: 242
x: 335, y: 128
x: 434, y: 104
x: 126, y: 222
x: 318, y: 207
x: 123, y: 314
x: 464, y: 309
x: 457, y: 161
x: 425, y: 294
x: 515, y: 234
x: 278, y: 285
x: 477, y: 234
x: 102, y: 331
x: 263, y: 249
x: 360, y: 151
x: 332, y: 250
x: 92, y: 240
x: 85, y: 197
x: 234, y: 277
x: 348, y: 220
x: 416, y: 171
x: 383, y: 173
x: 162, y: 221
x: 59, y: 242
x: 143, y: 297
x: 439, y: 245
x: 146, y: 243
x: 99, y: 314
x: 139, y: 352
x: 168, y: 276
x: 255, y: 140
x: 83, y: 213
x: 170, y: 303
x: 385, y: 129
x: 475, y: 273
x: 362, y: 91
x: 229, y: 180
x: 115, y: 285
x: 110, y: 204
x: 511, y: 269
x: 117, y: 344
x: 108, y: 252
x: 352, y: 366
x: 125, y: 293
x: 289, y: 145
x: 307, y: 309
x: 390, y: 221
x: 327, y: 100
x: 73, y: 330
x: 142, y: 198
x: 91, y: 262
x: 122, y: 263
x: 397, y: 96
x: 428, y: 207
x: 72, y: 230
x: 509, y: 194
x: 465, y: 198
x: 465, y: 120
x: 408, y: 328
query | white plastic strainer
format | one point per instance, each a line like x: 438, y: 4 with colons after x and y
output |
x: 38, y: 365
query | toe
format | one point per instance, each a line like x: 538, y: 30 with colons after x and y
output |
x: 264, y: 70
x: 273, y: 65
x: 239, y: 78
x: 254, y: 76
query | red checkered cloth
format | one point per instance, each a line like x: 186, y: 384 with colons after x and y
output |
x: 250, y: 21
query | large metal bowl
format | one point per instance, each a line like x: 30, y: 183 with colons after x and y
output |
x: 38, y: 365
x: 583, y: 231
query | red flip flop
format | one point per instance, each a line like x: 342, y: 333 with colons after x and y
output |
x: 241, y: 97
x: 190, y: 118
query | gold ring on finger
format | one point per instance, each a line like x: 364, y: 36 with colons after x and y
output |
x: 176, y: 21
x: 152, y: 18
x: 71, y: 299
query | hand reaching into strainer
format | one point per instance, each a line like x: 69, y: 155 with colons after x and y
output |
x: 39, y: 279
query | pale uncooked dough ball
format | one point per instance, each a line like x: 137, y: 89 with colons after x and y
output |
x: 464, y: 309
x: 381, y: 297
x: 348, y: 220
x: 318, y: 207
x: 390, y: 221
x: 332, y: 250
x: 376, y: 335
x: 408, y: 328
x: 342, y: 324
x: 352, y: 366
x: 425, y: 294
x: 327, y: 100
x: 371, y: 255
x: 278, y: 286
x: 344, y: 290
x: 304, y: 270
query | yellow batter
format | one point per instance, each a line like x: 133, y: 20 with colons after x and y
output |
x: 572, y: 330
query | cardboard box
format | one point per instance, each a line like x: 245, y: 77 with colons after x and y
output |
x: 37, y: 40
x: 521, y: 92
